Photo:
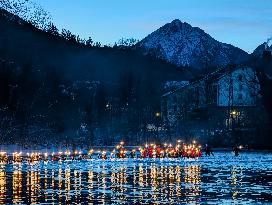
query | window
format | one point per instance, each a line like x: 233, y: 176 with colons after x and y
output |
x: 240, y: 77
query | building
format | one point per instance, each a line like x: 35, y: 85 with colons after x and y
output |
x: 212, y: 103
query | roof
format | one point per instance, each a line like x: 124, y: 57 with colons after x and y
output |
x: 219, y: 73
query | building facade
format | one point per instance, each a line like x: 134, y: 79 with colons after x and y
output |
x: 213, y: 103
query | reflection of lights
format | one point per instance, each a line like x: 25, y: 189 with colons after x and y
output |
x: 154, y: 182
x: 233, y: 176
x: 192, y: 182
x: 163, y: 182
x: 67, y: 184
x: 17, y: 185
x: 91, y: 151
x: 90, y: 184
x: 235, y: 182
x: 3, y: 188
x: 141, y: 176
x: 33, y: 179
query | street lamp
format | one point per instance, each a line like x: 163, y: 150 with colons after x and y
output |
x: 234, y: 113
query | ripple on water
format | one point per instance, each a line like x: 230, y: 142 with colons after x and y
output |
x: 217, y: 179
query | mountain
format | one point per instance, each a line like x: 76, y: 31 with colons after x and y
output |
x: 184, y: 45
x: 258, y: 52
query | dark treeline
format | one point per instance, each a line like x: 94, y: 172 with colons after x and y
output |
x: 54, y: 88
x: 263, y: 68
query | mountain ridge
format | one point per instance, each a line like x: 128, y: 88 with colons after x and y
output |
x: 259, y: 50
x: 181, y: 44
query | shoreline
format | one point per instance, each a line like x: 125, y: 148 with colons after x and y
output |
x: 17, y: 148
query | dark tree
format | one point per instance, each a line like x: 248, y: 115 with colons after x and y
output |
x: 89, y: 42
x: 263, y: 69
x: 52, y: 29
x: 66, y: 34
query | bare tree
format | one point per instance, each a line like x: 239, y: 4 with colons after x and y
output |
x: 126, y: 42
x: 29, y: 11
x: 52, y: 29
x: 89, y: 42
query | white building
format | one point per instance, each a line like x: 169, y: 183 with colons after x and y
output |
x: 238, y: 88
x: 223, y: 89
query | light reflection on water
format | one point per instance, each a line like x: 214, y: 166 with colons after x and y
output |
x: 223, y: 178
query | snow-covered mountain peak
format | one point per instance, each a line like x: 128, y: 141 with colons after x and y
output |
x: 179, y: 25
x: 181, y: 44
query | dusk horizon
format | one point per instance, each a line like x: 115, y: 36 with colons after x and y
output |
x: 244, y: 25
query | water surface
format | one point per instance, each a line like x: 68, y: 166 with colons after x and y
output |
x: 220, y: 179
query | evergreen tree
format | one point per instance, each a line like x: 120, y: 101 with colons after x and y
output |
x: 52, y: 29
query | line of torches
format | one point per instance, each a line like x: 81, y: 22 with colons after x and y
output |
x: 192, y: 150
x: 169, y: 151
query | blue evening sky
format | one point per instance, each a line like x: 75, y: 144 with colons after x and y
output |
x: 243, y: 23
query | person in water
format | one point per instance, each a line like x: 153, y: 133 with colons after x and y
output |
x: 208, y: 150
x: 236, y: 151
